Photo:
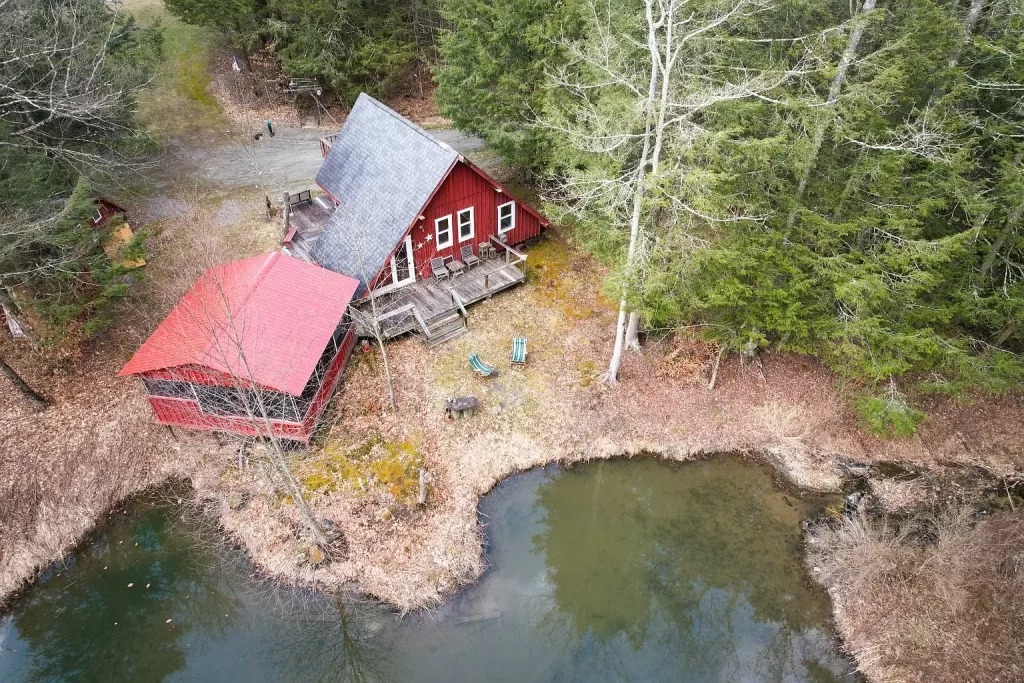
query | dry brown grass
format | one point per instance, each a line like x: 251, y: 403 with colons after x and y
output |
x: 62, y: 468
x: 933, y: 597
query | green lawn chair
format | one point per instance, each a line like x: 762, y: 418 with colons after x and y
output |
x: 481, y: 368
x: 519, y: 351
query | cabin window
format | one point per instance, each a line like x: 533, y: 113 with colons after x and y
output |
x: 443, y: 227
x: 506, y: 217
x: 466, y: 224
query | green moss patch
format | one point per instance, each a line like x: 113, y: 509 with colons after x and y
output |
x: 373, y: 464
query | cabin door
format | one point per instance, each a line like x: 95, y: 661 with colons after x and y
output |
x: 403, y: 270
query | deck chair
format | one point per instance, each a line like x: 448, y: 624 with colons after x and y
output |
x: 468, y: 257
x: 439, y: 270
x: 479, y: 367
x: 519, y: 351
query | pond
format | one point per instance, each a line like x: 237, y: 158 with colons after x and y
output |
x: 636, y: 570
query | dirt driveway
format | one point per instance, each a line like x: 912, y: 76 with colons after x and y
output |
x: 288, y: 161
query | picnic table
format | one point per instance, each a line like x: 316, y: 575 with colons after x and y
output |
x: 461, y: 406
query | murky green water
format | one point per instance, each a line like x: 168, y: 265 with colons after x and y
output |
x: 638, y: 571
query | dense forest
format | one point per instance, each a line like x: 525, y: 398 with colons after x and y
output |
x: 834, y: 178
x: 792, y: 175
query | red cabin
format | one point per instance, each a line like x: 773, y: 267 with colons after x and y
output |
x: 256, y: 347
x: 403, y: 197
x: 411, y: 218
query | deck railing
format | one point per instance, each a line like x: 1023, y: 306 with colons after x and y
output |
x: 513, y: 259
x: 326, y: 143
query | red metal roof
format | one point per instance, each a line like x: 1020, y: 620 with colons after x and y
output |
x: 265, y: 319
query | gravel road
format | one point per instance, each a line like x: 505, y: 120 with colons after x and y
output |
x: 288, y: 161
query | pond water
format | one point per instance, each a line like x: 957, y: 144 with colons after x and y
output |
x: 626, y: 570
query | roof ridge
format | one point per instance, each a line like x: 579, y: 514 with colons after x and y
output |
x: 418, y: 129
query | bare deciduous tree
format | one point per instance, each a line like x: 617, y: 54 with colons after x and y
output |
x: 64, y: 92
x: 650, y: 102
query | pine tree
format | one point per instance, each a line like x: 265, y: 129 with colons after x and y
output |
x: 492, y: 78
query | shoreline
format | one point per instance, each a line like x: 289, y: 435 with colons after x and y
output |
x: 785, y: 478
x: 786, y: 413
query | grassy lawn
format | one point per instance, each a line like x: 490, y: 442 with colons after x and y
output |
x: 179, y: 103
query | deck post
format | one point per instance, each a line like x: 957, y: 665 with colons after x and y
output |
x: 286, y: 212
x: 487, y: 282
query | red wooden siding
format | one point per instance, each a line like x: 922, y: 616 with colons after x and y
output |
x: 463, y: 188
x: 180, y: 412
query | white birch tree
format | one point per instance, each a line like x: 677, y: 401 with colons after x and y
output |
x: 629, y: 89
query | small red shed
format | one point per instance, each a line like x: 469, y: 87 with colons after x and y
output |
x: 256, y: 347
x: 403, y: 197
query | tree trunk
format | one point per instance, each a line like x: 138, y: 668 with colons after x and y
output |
x: 22, y: 386
x: 243, y: 59
x: 387, y: 372
x: 970, y: 22
x: 1011, y: 223
x: 612, y: 374
x: 632, y: 333
x: 833, y: 97
x: 378, y: 334
x: 1005, y: 334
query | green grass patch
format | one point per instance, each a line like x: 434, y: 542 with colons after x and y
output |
x: 551, y: 271
x: 178, y: 102
x: 889, y: 416
x: 588, y: 372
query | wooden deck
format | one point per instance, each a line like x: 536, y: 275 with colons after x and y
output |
x: 307, y: 220
x: 436, y: 310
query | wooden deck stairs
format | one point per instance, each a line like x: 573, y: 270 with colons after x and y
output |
x: 444, y: 329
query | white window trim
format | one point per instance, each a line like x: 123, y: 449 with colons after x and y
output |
x: 437, y: 232
x: 472, y: 224
x: 512, y: 225
x: 98, y: 218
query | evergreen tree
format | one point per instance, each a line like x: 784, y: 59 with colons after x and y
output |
x: 875, y: 196
x: 495, y: 59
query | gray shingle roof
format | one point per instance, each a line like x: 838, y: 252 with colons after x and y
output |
x: 382, y: 169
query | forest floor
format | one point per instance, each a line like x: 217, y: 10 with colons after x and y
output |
x: 204, y: 204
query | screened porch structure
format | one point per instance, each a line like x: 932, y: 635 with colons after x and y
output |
x: 256, y: 347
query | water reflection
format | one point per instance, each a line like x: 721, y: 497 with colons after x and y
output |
x: 678, y: 569
x: 332, y: 639
x: 633, y: 571
x: 134, y: 591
